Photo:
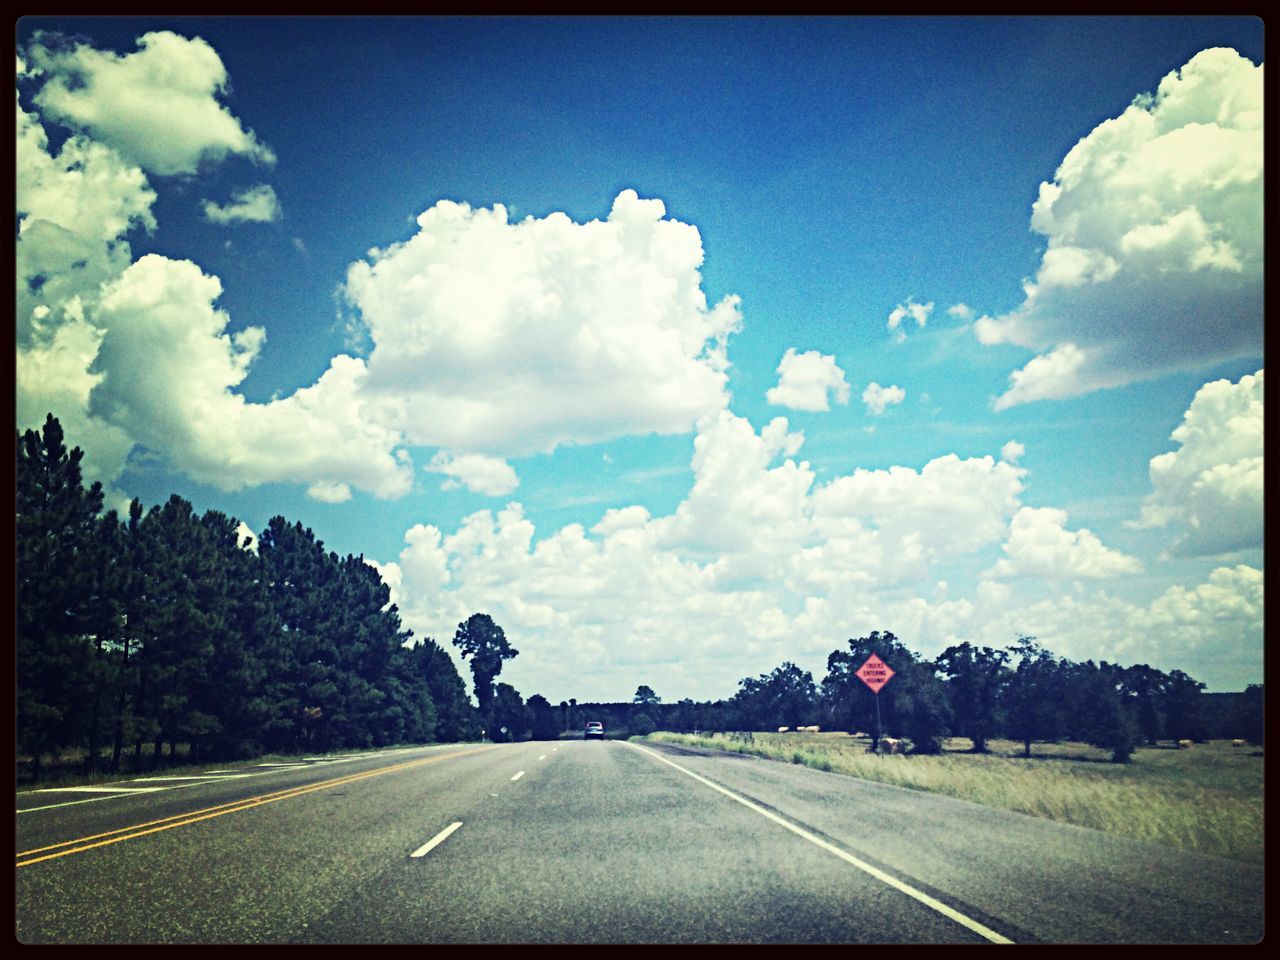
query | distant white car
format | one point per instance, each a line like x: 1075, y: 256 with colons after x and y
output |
x: 594, y: 729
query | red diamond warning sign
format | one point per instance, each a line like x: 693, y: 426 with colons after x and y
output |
x: 875, y: 673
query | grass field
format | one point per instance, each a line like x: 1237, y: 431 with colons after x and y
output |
x: 1207, y: 799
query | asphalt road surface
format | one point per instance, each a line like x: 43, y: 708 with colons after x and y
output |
x: 590, y: 842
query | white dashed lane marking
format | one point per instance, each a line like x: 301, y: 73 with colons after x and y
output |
x: 435, y: 841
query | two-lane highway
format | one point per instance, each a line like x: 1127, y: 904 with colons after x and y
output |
x: 596, y: 842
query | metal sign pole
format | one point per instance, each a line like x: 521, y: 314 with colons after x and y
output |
x: 877, y: 750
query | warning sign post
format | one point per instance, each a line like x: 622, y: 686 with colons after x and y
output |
x: 875, y: 673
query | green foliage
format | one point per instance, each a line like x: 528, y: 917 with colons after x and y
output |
x: 542, y: 718
x: 57, y: 540
x: 645, y: 696
x: 976, y: 678
x: 1184, y: 719
x: 165, y: 629
x: 1031, y: 696
x: 1105, y: 722
x: 485, y: 644
x: 785, y: 697
x: 511, y: 719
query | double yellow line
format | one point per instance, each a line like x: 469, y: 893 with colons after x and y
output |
x: 80, y: 844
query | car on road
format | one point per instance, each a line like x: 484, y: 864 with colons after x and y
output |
x: 594, y: 729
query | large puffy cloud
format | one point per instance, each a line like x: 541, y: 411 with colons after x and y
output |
x: 740, y: 508
x: 805, y: 380
x: 136, y: 353
x: 157, y: 106
x: 1213, y: 483
x: 1040, y: 545
x: 1154, y: 227
x: 74, y: 208
x: 512, y: 338
x: 887, y: 526
x: 168, y: 369
x: 598, y: 330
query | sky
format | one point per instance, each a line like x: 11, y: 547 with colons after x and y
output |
x: 681, y: 347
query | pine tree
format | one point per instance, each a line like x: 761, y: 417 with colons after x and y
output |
x: 55, y: 534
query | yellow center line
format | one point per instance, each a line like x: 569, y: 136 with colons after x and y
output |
x: 194, y: 816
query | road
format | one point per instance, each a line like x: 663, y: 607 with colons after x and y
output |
x: 590, y: 842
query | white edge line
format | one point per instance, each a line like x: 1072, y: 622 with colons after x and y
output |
x: 949, y: 912
x: 518, y: 775
x: 543, y: 757
x: 102, y: 789
x: 68, y: 803
x: 435, y: 841
x: 200, y: 776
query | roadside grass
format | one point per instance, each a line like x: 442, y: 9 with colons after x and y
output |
x: 1207, y: 799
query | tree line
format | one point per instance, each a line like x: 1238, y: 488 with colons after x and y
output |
x: 162, y: 629
x: 1022, y: 692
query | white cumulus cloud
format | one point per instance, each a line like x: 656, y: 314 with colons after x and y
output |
x: 919, y: 312
x: 253, y: 205
x: 157, y: 106
x: 1040, y: 545
x: 491, y: 476
x: 806, y: 379
x: 1012, y: 451
x: 599, y: 329
x: 878, y: 398
x: 168, y: 370
x: 1213, y: 482
x: 1154, y: 228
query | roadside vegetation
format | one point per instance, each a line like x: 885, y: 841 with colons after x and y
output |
x: 1206, y: 799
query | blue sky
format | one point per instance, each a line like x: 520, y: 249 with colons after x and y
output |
x: 984, y: 268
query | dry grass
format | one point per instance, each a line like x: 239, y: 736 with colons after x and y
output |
x: 1207, y: 799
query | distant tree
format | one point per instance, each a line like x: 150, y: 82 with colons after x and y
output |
x: 642, y: 724
x: 1105, y: 720
x: 784, y: 697
x: 542, y: 718
x: 485, y: 644
x: 510, y: 715
x: 976, y: 677
x: 923, y: 706
x: 1252, y: 714
x: 1183, y: 706
x: 684, y: 718
x: 645, y: 696
x: 1143, y: 688
x: 1033, y: 694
